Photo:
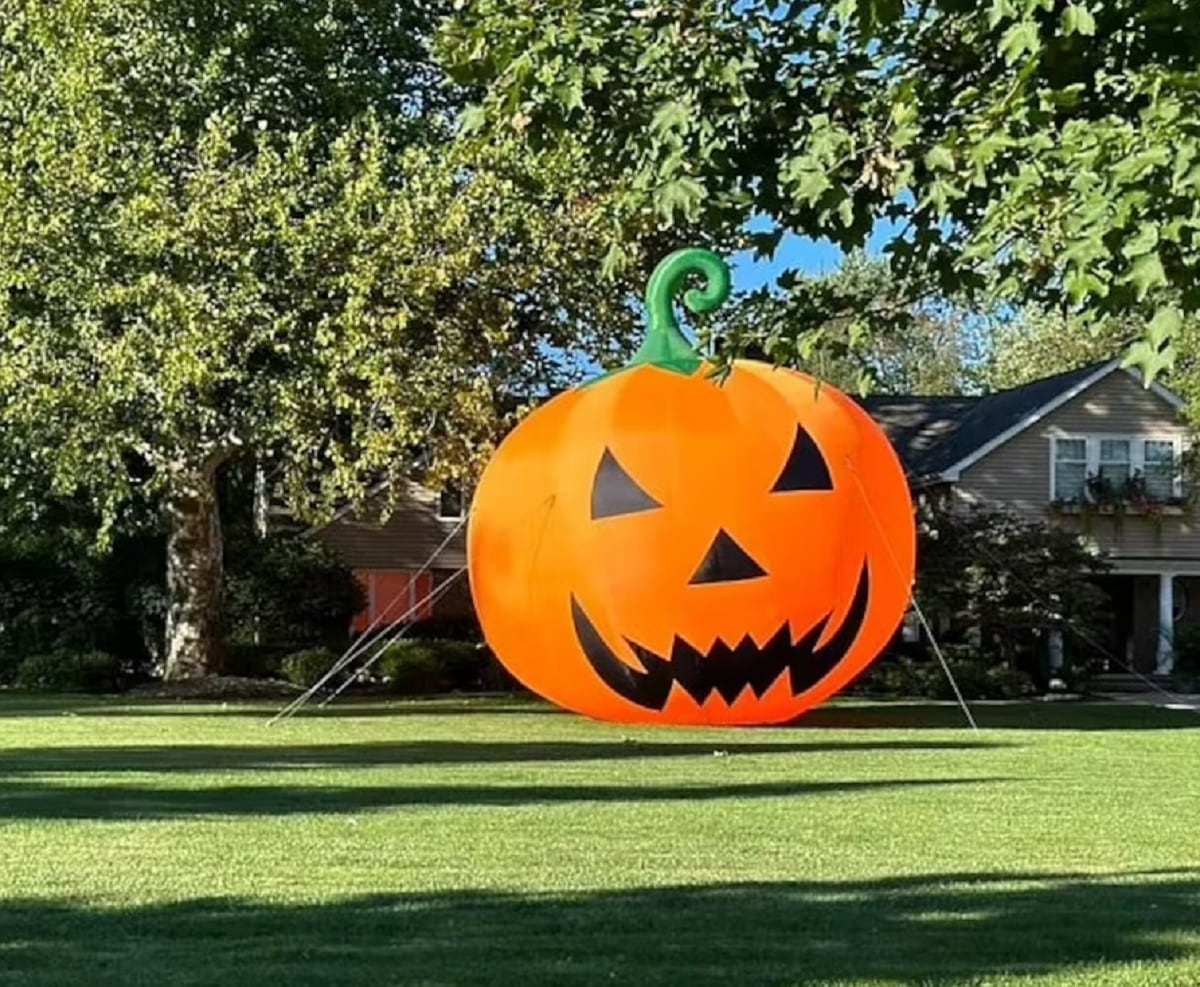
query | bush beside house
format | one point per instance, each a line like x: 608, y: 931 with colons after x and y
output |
x: 63, y: 606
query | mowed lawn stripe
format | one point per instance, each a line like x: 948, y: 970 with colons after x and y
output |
x: 498, y: 841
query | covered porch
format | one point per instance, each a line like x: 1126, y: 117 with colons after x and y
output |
x: 1149, y: 609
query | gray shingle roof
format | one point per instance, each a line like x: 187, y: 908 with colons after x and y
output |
x: 933, y: 433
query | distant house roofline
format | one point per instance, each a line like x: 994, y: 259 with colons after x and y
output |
x: 954, y: 472
x: 939, y: 437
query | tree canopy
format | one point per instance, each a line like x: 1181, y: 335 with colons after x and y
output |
x: 233, y: 230
x: 928, y: 347
x: 1043, y: 149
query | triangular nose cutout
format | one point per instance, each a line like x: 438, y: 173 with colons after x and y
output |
x: 726, y: 562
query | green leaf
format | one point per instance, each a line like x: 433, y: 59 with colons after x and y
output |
x: 1142, y: 242
x: 1147, y: 273
x: 570, y: 93
x: 1150, y: 359
x: 679, y: 196
x: 1191, y: 180
x: 810, y: 186
x: 671, y: 115
x: 1166, y: 323
x: 1019, y: 40
x: 1000, y: 10
x: 939, y: 195
x: 1082, y: 285
x: 1077, y: 19
x: 846, y: 211
x: 473, y: 119
x: 939, y: 158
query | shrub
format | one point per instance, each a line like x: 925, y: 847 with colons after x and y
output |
x: 285, y: 590
x: 413, y: 667
x: 977, y: 679
x: 903, y: 677
x: 306, y: 667
x: 1010, y: 683
x: 244, y: 659
x: 497, y: 678
x: 1187, y: 650
x: 70, y: 671
x: 463, y: 663
x: 898, y: 676
x: 419, y: 666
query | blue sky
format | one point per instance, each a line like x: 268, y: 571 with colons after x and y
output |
x: 802, y: 253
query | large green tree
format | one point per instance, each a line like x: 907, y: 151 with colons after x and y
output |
x: 1047, y: 149
x: 235, y: 230
x: 1035, y: 342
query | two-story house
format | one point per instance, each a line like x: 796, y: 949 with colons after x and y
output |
x: 1092, y: 450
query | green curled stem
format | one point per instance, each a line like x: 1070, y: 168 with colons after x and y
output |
x: 665, y: 344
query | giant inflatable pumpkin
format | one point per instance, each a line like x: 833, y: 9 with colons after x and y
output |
x: 658, y: 545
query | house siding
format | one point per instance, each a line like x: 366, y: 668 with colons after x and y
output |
x: 407, y: 541
x: 1016, y: 475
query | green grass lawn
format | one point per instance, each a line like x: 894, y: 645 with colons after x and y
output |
x: 502, y: 842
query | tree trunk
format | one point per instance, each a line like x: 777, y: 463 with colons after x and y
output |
x: 195, y: 565
x: 261, y: 504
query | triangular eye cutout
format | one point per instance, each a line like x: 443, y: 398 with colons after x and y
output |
x: 805, y: 468
x: 614, y: 491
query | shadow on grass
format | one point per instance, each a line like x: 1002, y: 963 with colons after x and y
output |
x: 934, y: 931
x: 845, y: 714
x: 214, y: 757
x: 44, y: 801
x: 997, y: 716
x: 14, y: 705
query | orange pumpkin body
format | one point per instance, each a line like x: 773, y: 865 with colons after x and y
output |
x: 657, y: 546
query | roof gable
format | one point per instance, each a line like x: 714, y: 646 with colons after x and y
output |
x: 939, y: 437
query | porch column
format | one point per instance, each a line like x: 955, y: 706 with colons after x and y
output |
x: 1056, y: 651
x: 1166, y: 623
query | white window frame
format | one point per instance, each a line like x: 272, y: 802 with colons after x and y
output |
x: 1089, y: 457
x: 464, y: 506
x: 1137, y: 453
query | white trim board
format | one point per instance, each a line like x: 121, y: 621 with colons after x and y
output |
x: 1169, y: 396
x: 1141, y: 569
x: 953, y: 473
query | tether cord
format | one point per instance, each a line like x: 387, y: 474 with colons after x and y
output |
x: 396, y: 631
x: 391, y: 634
x: 912, y: 596
x: 404, y: 629
x: 366, y: 642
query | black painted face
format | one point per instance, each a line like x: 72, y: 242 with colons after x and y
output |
x: 723, y: 668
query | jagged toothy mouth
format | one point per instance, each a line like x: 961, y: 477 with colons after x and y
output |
x: 724, y: 669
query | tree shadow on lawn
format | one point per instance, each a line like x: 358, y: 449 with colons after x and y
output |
x: 840, y: 714
x: 1087, y: 716
x: 266, y: 757
x: 934, y: 931
x: 108, y: 803
x: 14, y: 705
